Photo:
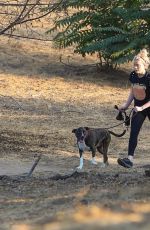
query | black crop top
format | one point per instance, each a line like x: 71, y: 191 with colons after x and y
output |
x: 140, y: 87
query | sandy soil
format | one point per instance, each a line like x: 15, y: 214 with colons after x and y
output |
x: 41, y: 101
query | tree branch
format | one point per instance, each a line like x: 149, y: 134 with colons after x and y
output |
x: 24, y: 12
x: 26, y: 37
x: 16, y: 21
x: 22, y: 4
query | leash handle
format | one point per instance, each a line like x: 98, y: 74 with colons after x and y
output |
x: 122, y: 110
x: 116, y: 107
x: 119, y: 116
x: 126, y: 121
x: 122, y: 116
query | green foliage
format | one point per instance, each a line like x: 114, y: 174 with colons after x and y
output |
x: 115, y: 30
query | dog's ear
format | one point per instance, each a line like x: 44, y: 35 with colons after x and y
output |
x: 87, y: 128
x: 74, y: 130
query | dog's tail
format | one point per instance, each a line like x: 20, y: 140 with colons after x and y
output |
x: 117, y: 135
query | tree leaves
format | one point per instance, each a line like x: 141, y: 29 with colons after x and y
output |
x: 114, y: 29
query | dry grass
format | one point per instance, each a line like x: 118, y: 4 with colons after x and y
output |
x: 41, y: 101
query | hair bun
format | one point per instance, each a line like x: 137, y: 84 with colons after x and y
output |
x: 143, y: 55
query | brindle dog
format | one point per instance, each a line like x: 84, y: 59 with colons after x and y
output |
x: 94, y: 138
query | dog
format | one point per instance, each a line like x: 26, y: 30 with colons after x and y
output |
x: 94, y: 138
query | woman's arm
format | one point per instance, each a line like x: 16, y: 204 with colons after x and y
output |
x: 128, y: 102
x: 141, y: 108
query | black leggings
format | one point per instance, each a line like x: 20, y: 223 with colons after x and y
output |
x: 136, y: 124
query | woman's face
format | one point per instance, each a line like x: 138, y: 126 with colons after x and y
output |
x: 139, y: 67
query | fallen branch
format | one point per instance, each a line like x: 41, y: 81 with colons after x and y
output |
x: 20, y: 106
x: 34, y: 165
x: 74, y: 174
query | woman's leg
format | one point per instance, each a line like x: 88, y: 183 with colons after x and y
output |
x: 136, y: 124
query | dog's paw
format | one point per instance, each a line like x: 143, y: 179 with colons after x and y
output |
x: 79, y: 167
x: 93, y: 162
x: 104, y: 165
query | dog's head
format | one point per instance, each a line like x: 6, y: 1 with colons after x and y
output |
x: 81, y: 133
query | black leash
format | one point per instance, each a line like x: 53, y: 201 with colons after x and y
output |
x: 122, y: 116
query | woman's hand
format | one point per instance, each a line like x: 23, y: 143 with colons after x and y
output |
x: 123, y: 107
x: 138, y: 108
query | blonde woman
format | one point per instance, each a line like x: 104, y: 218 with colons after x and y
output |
x: 140, y: 94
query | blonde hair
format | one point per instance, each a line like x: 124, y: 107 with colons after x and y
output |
x: 143, y: 56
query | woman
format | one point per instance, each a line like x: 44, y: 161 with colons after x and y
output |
x: 140, y: 94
